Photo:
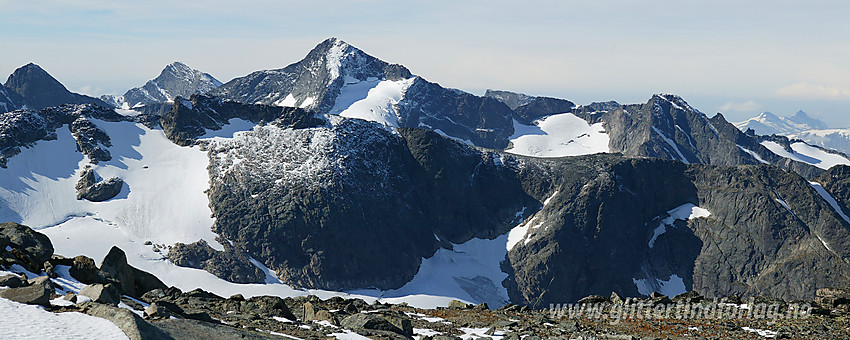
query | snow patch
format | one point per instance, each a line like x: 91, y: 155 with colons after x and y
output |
x: 470, y: 272
x: 754, y: 154
x: 22, y: 321
x: 673, y: 144
x: 805, y: 153
x: 683, y: 212
x: 829, y: 199
x: 558, y: 135
x: 372, y: 100
x: 671, y: 287
x: 289, y: 101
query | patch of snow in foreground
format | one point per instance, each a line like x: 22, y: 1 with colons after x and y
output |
x: 558, y: 135
x: 476, y: 333
x: 670, y: 287
x: 22, y: 321
x: 683, y: 212
x: 807, y: 154
x: 762, y: 332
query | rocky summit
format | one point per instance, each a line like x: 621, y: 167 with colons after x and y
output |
x: 346, y: 196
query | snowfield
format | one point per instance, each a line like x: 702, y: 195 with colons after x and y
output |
x: 558, y: 135
x: 805, y: 153
x: 164, y: 201
x: 22, y: 321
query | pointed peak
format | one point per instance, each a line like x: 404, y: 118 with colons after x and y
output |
x: 801, y: 114
x: 767, y: 115
x: 178, y: 65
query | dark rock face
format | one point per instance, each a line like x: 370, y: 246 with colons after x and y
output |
x: 836, y: 181
x: 316, y: 80
x: 484, y: 121
x: 188, y: 119
x: 176, y: 80
x: 749, y: 245
x: 668, y: 127
x: 512, y: 99
x: 10, y: 100
x: 294, y: 180
x: 229, y: 265
x: 29, y: 248
x: 528, y: 108
x: 89, y: 188
x: 40, y: 90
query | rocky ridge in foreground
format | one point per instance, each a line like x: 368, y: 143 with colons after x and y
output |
x: 144, y: 308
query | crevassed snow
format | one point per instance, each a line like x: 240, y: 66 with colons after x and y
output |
x: 683, y: 212
x: 162, y: 200
x: 470, y: 272
x: 671, y: 287
x: 754, y: 154
x: 22, y: 321
x: 372, y: 100
x: 672, y: 144
x: 558, y: 135
x: 807, y: 154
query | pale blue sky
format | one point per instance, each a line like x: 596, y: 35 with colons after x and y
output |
x: 738, y: 57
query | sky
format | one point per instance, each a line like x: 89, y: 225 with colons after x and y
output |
x: 735, y: 57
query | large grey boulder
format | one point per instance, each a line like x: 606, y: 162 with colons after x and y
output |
x: 130, y: 280
x: 36, y: 294
x: 88, y: 188
x: 102, y: 293
x: 131, y: 324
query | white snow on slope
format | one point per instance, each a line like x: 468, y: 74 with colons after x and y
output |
x: 162, y: 200
x: 22, y: 321
x: 672, y: 144
x: 558, y: 135
x: 754, y: 154
x: 683, y: 212
x: 372, y: 100
x: 670, y: 287
x: 829, y: 199
x: 470, y: 272
x: 807, y: 154
x: 288, y: 101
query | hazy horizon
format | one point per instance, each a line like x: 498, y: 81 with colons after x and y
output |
x: 738, y: 58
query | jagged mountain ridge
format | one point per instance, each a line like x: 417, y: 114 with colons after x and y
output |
x: 40, y: 90
x: 767, y: 123
x: 335, y: 69
x: 584, y: 202
x: 265, y: 200
x: 176, y: 80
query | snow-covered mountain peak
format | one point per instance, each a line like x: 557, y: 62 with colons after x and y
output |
x: 176, y: 80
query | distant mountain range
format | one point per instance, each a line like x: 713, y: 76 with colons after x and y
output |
x: 345, y: 173
x: 799, y: 126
